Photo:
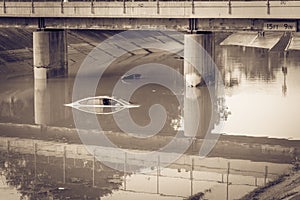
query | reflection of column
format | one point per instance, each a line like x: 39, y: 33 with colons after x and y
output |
x: 64, y: 164
x: 49, y: 54
x: 191, y: 176
x: 194, y: 56
x: 227, y: 66
x: 284, y: 71
x: 269, y: 63
x: 41, y: 102
x: 191, y: 113
x: 197, y: 112
x: 49, y: 100
x: 225, y: 56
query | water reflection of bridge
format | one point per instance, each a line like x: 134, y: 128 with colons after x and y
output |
x: 49, y: 166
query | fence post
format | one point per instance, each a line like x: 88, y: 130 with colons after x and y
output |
x: 222, y: 178
x: 191, y: 175
x: 266, y: 175
x: 94, y: 162
x: 8, y: 146
x: 158, y: 174
x: 227, y: 186
x: 229, y: 7
x: 125, y: 169
x: 64, y: 164
x: 35, y: 159
x: 255, y: 181
x: 157, y: 6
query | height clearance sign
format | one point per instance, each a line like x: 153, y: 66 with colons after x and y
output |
x: 280, y: 26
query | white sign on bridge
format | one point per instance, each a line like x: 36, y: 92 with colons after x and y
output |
x: 280, y: 26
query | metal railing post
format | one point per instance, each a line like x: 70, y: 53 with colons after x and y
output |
x: 157, y: 6
x: 92, y: 7
x: 124, y: 6
x: 4, y: 7
x: 62, y: 6
x: 32, y: 6
x: 268, y: 7
x: 193, y: 7
x: 229, y: 7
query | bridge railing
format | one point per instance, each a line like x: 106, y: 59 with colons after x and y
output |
x: 153, y: 9
x: 282, y: 1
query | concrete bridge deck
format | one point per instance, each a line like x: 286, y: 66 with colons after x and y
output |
x: 124, y: 15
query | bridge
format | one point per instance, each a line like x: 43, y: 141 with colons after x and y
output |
x: 179, y: 15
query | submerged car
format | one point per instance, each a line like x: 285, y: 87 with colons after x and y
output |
x: 101, y: 105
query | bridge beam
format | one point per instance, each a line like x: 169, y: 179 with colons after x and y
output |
x: 49, y: 54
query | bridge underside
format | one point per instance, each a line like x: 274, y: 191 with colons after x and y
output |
x: 138, y: 23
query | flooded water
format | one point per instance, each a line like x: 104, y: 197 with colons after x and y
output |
x: 262, y: 99
x: 42, y: 156
x: 40, y: 169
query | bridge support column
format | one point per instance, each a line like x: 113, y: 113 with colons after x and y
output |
x: 49, y: 54
x: 198, y: 52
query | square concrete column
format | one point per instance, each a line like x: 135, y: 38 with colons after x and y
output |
x: 198, y: 58
x: 49, y: 54
x: 199, y: 69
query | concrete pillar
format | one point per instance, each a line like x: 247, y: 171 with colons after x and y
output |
x: 198, y: 52
x: 49, y: 54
